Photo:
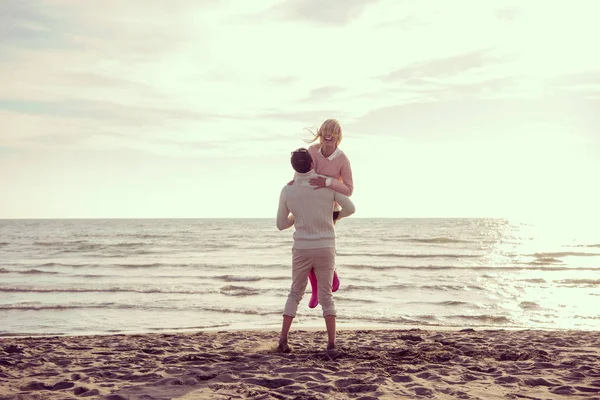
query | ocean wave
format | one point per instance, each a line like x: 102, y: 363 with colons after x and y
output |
x: 452, y: 303
x: 399, y: 255
x: 156, y: 265
x: 216, y: 246
x: 529, y: 305
x: 74, y: 247
x: 237, y: 278
x: 405, y: 286
x: 127, y: 266
x: 57, y: 244
x: 23, y: 289
x: 451, y: 287
x: 144, y: 236
x: 495, y: 319
x: 355, y: 300
x: 240, y: 311
x: 27, y: 272
x: 231, y: 290
x: 392, y: 320
x: 534, y: 280
x: 564, y: 254
x: 59, y: 307
x: 447, y: 303
x: 55, y: 264
x: 88, y: 247
x: 261, y: 247
x: 148, y: 265
x: 592, y: 282
x: 123, y: 306
x: 185, y: 328
x: 128, y: 244
x: 531, y: 267
x: 545, y: 260
x: 348, y: 288
x: 4, y: 243
x: 435, y: 240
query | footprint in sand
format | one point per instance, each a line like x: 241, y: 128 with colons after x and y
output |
x: 270, y: 383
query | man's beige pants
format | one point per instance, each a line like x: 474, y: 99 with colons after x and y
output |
x: 323, y: 261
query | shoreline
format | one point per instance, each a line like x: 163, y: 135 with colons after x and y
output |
x: 312, y: 327
x: 372, y: 363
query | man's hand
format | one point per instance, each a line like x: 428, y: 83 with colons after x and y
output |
x: 318, y: 182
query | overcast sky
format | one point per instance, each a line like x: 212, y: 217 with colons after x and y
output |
x: 190, y: 108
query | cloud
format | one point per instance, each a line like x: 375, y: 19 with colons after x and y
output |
x: 32, y: 25
x: 471, y: 118
x: 107, y: 111
x: 443, y: 67
x: 49, y: 131
x: 129, y: 30
x: 444, y: 89
x: 88, y: 124
x: 6, y: 151
x: 580, y: 78
x: 324, y: 93
x: 303, y: 116
x: 51, y: 84
x: 404, y: 23
x: 330, y: 12
x: 508, y: 13
x: 282, y: 80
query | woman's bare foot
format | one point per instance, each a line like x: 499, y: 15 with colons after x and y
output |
x: 331, y: 346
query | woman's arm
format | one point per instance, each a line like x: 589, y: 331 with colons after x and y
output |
x: 345, y: 186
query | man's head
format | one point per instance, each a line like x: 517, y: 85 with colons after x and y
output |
x: 301, y: 161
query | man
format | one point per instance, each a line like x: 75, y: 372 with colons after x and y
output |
x: 314, y: 241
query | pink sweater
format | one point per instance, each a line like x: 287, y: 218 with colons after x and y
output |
x: 336, y: 166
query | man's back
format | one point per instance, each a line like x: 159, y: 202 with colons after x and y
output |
x: 312, y: 210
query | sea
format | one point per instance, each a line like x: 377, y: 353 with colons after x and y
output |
x: 109, y: 276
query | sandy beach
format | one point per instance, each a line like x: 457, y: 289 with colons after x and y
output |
x: 368, y: 364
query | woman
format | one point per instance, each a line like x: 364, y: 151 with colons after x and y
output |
x: 329, y: 160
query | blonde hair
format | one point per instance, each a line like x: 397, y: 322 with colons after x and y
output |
x: 331, y: 127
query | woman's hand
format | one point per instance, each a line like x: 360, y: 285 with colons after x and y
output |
x: 291, y: 182
x: 318, y: 182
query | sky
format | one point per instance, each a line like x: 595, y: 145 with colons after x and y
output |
x: 190, y: 108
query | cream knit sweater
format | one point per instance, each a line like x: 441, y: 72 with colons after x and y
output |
x: 311, y: 212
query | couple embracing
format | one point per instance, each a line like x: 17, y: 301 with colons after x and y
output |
x: 312, y: 203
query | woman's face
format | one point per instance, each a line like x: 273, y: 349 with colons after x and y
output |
x: 329, y: 139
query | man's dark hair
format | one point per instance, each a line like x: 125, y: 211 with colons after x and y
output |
x: 301, y: 160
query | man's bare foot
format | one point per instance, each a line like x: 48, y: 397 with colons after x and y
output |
x: 331, y: 346
x: 283, y: 348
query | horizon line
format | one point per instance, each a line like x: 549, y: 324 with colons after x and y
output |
x: 232, y: 218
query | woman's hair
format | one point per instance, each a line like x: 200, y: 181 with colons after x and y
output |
x: 330, y: 127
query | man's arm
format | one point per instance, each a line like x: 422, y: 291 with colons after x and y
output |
x: 284, y: 219
x: 347, y: 205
